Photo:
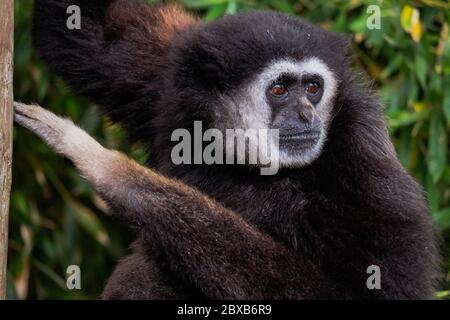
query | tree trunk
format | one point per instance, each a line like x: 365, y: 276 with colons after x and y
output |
x: 6, y: 116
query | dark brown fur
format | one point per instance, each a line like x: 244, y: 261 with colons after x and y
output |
x: 226, y: 232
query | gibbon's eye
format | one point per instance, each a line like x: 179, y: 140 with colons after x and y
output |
x: 279, y: 90
x: 312, y: 88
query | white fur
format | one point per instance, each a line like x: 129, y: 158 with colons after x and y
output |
x: 253, y: 111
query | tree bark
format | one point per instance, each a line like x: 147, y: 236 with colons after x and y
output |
x: 6, y: 117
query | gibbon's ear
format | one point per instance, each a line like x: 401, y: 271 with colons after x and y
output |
x: 117, y: 58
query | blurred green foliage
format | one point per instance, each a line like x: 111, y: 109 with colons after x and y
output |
x: 56, y: 219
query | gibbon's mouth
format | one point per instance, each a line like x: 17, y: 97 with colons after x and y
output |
x: 300, y: 140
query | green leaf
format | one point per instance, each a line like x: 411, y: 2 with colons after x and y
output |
x: 443, y: 294
x: 359, y: 24
x: 216, y: 12
x: 402, y: 118
x: 392, y: 66
x: 232, y: 7
x: 404, y: 147
x: 432, y: 195
x: 203, y: 3
x: 446, y: 100
x: 89, y: 221
x: 437, y: 146
x: 446, y: 176
x: 52, y: 275
x: 442, y: 219
x: 421, y: 70
x: 283, y: 6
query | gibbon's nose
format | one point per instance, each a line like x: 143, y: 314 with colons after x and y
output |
x: 306, y: 111
x: 306, y: 115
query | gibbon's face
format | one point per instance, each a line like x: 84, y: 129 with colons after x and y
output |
x: 295, y: 97
x: 266, y: 70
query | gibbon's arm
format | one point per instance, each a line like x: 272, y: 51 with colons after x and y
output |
x: 206, y: 244
x: 118, y: 57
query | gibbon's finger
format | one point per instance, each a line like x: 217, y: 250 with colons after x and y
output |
x: 59, y: 133
x: 41, y: 122
x: 35, y: 112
